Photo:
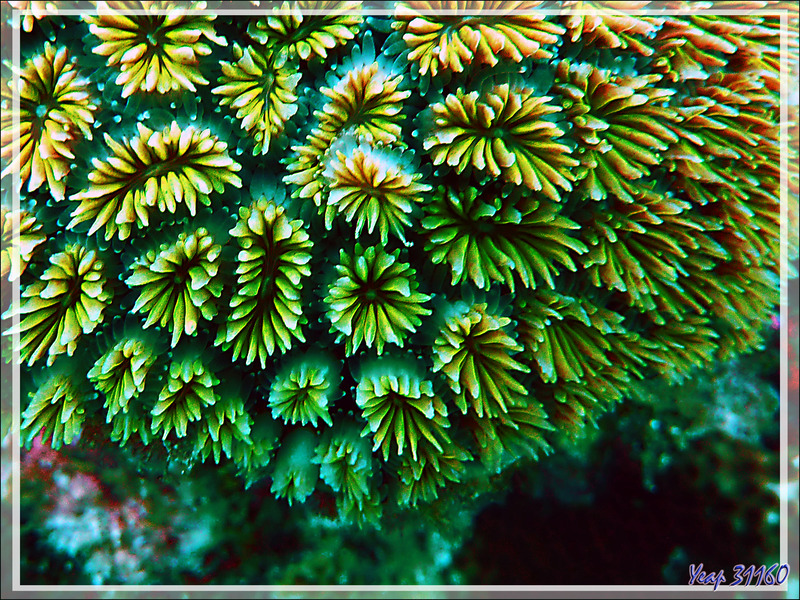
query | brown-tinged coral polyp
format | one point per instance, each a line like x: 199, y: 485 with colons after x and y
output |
x: 56, y: 111
x: 153, y: 170
x: 158, y: 48
x: 451, y: 34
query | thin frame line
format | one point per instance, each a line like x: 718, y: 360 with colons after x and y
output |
x: 782, y: 13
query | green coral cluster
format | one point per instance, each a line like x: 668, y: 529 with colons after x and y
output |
x: 375, y: 257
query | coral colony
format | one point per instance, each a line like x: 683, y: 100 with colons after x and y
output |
x: 379, y: 257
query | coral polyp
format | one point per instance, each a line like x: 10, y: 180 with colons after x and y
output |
x: 517, y: 433
x: 621, y: 125
x: 158, y: 49
x: 641, y: 250
x: 153, y: 170
x: 179, y: 283
x: 225, y: 431
x: 294, y: 33
x: 452, y: 34
x: 475, y: 352
x: 67, y: 302
x: 56, y: 111
x: 303, y: 391
x: 57, y: 410
x: 374, y: 187
x: 185, y: 397
x: 608, y: 25
x: 120, y: 373
x: 556, y: 330
x: 504, y: 132
x: 690, y: 48
x: 401, y: 410
x: 375, y: 300
x: 21, y: 236
x: 489, y: 239
x: 295, y: 474
x: 273, y: 261
x: 421, y: 479
x: 262, y: 90
x: 346, y: 465
x: 366, y: 259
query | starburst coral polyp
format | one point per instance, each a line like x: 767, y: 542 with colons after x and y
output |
x: 610, y: 25
x: 262, y: 90
x: 266, y: 311
x: 504, y: 132
x: 291, y: 31
x: 179, y: 283
x: 21, y: 236
x: 401, y: 409
x: 474, y: 351
x: 67, y: 302
x: 375, y: 187
x: 56, y: 111
x: 157, y: 51
x: 374, y: 300
x: 489, y: 239
x: 153, y: 170
x: 451, y: 34
x: 621, y: 125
